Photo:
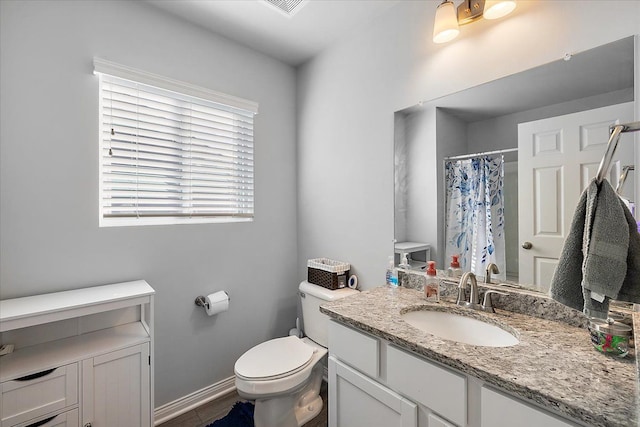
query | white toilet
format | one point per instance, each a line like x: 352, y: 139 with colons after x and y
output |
x: 284, y: 375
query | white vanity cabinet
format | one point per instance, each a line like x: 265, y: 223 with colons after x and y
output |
x: 82, y: 358
x: 357, y: 400
x: 375, y: 383
x: 372, y: 383
x: 371, y: 403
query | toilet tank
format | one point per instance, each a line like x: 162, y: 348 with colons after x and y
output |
x: 316, y: 324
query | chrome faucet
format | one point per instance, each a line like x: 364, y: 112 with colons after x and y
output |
x: 474, y: 300
x: 491, y: 268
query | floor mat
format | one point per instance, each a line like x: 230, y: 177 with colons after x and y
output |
x: 241, y: 415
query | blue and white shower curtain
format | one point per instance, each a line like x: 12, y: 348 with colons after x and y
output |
x: 475, y: 213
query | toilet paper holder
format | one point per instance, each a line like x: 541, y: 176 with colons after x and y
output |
x: 202, y: 302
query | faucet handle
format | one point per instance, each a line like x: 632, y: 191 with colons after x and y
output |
x: 487, y: 304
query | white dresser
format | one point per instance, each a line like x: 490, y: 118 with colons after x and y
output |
x: 82, y: 358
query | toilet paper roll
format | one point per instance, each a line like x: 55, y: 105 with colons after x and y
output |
x: 216, y: 302
x: 353, y: 282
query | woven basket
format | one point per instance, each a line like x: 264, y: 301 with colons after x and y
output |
x: 328, y: 273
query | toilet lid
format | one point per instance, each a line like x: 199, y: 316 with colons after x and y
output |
x: 274, y: 358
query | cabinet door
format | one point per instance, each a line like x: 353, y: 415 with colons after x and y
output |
x: 357, y: 401
x: 116, y: 388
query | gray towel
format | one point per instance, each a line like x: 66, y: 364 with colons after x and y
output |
x: 601, y: 254
x: 566, y: 284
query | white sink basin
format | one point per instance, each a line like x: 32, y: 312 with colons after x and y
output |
x: 463, y: 329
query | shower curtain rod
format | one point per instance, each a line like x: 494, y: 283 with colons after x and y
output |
x: 485, y: 153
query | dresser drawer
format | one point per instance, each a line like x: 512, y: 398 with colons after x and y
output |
x: 357, y: 349
x: 437, y: 388
x: 36, y: 395
x: 65, y: 419
x: 500, y: 410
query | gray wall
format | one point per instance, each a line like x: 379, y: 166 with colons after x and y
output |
x: 348, y: 94
x: 50, y: 239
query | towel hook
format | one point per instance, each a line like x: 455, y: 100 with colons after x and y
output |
x: 612, y: 145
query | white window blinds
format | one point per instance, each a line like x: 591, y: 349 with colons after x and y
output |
x: 170, y: 157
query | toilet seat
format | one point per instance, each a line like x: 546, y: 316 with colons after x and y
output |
x: 274, y: 359
x: 279, y: 383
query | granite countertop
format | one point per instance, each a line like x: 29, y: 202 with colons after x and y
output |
x: 554, y: 365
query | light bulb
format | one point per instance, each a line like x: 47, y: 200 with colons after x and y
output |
x: 494, y: 9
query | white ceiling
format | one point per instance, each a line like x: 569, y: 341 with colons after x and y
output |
x: 259, y: 25
x: 319, y: 23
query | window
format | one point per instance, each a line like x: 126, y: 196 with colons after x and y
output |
x: 170, y: 152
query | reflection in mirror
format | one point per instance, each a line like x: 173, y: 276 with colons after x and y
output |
x: 546, y: 127
x: 475, y: 218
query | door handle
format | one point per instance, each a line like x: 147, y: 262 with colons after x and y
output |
x: 527, y: 245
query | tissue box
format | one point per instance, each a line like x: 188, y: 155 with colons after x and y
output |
x: 328, y: 273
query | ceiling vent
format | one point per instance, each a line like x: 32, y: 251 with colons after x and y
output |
x: 287, y: 7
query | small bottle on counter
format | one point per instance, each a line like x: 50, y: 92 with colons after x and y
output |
x: 432, y: 284
x: 454, y: 270
x: 392, y: 273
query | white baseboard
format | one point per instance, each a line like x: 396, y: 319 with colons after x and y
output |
x: 191, y: 401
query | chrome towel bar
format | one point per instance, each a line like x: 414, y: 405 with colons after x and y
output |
x: 623, y: 177
x: 612, y: 145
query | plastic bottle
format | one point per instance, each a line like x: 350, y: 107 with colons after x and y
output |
x: 392, y: 273
x: 432, y: 285
x: 454, y: 270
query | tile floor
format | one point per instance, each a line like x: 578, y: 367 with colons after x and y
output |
x: 209, y: 412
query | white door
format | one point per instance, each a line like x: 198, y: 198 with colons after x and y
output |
x: 116, y: 388
x: 357, y: 401
x: 557, y: 158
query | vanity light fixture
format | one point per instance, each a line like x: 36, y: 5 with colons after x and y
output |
x: 448, y: 19
x: 445, y: 27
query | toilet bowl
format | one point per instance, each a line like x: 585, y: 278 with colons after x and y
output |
x: 284, y: 375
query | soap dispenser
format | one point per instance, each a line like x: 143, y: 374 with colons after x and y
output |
x: 454, y: 270
x: 432, y: 285
x: 404, y: 262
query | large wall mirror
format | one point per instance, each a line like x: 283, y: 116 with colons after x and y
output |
x: 525, y: 145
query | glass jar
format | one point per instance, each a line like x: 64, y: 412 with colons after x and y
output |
x: 610, y: 337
